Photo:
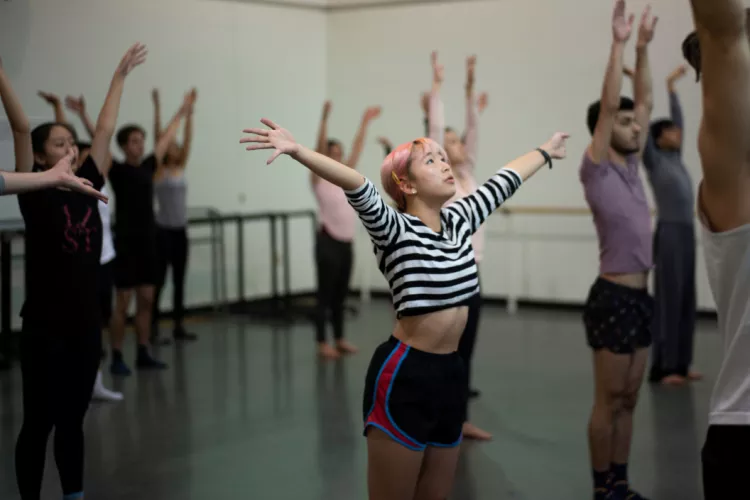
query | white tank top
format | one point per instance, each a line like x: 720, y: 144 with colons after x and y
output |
x: 727, y: 257
x: 108, y: 248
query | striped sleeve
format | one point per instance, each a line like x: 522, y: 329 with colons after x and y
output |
x: 382, y: 222
x: 476, y: 207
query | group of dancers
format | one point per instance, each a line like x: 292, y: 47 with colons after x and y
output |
x: 417, y: 386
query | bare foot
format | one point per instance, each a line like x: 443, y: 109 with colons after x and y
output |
x: 673, y: 380
x: 694, y: 375
x: 471, y: 431
x: 326, y: 351
x: 345, y: 347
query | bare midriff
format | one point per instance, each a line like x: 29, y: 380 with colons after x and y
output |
x: 631, y: 280
x: 436, y: 332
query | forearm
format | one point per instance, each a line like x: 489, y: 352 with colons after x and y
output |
x: 157, y: 118
x: 107, y: 119
x: 169, y: 134
x: 675, y: 108
x: 359, y: 142
x: 86, y: 120
x: 332, y: 171
x: 612, y: 86
x: 60, y: 113
x: 19, y: 122
x: 188, y: 139
x: 472, y: 128
x: 16, y: 183
x: 436, y: 116
x: 527, y: 165
x: 322, y: 143
x: 643, y: 91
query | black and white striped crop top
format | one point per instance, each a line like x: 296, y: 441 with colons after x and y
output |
x: 429, y: 271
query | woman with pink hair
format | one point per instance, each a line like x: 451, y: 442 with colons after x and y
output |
x: 416, y: 389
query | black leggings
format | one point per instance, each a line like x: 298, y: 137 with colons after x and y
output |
x: 334, y: 260
x: 725, y: 462
x: 469, y: 340
x: 58, y: 369
x: 172, y: 250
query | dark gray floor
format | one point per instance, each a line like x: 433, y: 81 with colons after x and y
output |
x: 248, y: 412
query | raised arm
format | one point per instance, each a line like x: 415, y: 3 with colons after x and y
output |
x: 187, y: 140
x: 724, y: 61
x: 382, y: 222
x: 322, y: 142
x: 610, y: 101
x: 359, y: 140
x: 476, y: 207
x: 435, y: 110
x: 77, y: 105
x: 471, y: 137
x: 61, y: 175
x: 19, y: 124
x: 675, y: 109
x: 162, y: 144
x: 105, y: 124
x: 643, y: 90
x: 155, y: 99
x: 56, y: 104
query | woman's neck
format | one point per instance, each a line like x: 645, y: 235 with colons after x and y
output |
x: 429, y: 216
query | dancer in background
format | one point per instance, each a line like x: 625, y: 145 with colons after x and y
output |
x: 78, y: 106
x: 720, y: 52
x: 334, y: 243
x: 674, y: 245
x: 135, y: 239
x: 462, y: 156
x: 170, y: 187
x: 618, y: 313
x: 415, y: 392
x: 61, y: 339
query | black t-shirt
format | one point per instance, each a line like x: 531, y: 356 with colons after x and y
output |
x: 63, y: 246
x: 134, y: 200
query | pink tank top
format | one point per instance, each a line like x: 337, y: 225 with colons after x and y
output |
x: 334, y: 212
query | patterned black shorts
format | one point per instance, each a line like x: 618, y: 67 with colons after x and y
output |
x: 618, y: 318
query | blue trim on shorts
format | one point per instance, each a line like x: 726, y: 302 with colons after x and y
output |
x: 451, y: 445
x: 390, y: 435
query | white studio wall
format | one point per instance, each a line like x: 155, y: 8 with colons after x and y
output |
x: 542, y: 63
x: 247, y: 61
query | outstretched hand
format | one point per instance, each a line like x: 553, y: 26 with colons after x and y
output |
x: 647, y: 28
x: 438, y: 70
x: 275, y: 137
x: 75, y: 104
x: 555, y: 147
x: 135, y: 56
x: 482, y: 102
x: 50, y: 98
x: 64, y: 177
x: 622, y: 26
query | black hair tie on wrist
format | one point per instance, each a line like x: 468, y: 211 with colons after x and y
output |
x: 547, y: 157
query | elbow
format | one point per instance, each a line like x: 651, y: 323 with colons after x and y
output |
x: 22, y: 127
x: 104, y: 129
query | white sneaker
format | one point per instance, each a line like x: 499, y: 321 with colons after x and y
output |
x: 101, y: 393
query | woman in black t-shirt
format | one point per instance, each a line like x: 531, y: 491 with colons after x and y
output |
x: 61, y: 342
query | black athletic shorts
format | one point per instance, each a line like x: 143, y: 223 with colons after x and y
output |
x: 618, y: 318
x: 415, y: 397
x: 726, y: 462
x: 135, y: 264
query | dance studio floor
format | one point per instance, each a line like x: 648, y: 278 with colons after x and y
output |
x: 248, y: 412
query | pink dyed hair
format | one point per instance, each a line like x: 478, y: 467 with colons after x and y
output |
x: 396, y: 166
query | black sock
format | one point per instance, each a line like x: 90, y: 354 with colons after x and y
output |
x: 601, y: 483
x: 619, y: 477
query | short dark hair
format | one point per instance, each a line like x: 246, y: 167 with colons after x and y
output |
x: 123, y: 135
x: 659, y: 126
x: 41, y: 133
x: 592, y: 118
x: 333, y: 142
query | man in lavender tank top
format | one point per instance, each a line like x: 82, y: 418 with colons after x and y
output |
x: 618, y: 312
